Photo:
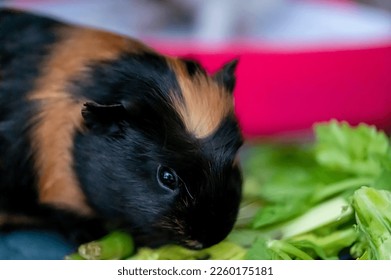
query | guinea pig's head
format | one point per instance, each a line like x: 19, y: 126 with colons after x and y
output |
x: 159, y: 152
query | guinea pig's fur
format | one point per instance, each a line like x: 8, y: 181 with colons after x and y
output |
x: 99, y: 131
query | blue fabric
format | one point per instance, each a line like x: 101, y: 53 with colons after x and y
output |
x: 34, y: 245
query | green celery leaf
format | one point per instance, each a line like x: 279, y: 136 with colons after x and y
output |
x: 355, y: 150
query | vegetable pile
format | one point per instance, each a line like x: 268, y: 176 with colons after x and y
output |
x: 326, y: 199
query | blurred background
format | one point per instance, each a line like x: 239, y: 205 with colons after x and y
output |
x: 301, y: 62
x: 212, y: 21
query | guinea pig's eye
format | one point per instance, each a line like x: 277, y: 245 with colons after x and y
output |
x: 167, y: 177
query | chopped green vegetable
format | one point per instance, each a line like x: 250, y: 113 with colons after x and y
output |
x: 116, y: 245
x: 327, y: 213
x: 357, y: 151
x: 75, y: 257
x: 373, y: 215
x: 223, y: 251
x: 307, y: 193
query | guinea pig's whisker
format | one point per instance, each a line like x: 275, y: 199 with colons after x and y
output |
x: 173, y: 224
x: 187, y: 190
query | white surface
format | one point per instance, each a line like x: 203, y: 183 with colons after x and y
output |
x: 282, y: 21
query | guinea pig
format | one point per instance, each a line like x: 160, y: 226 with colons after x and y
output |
x: 99, y: 131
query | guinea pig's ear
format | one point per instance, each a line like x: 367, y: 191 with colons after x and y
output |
x: 226, y: 75
x: 94, y: 113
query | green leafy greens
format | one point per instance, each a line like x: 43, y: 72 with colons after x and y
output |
x: 314, y: 202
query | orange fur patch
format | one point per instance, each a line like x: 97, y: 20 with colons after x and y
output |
x: 60, y: 116
x: 205, y: 102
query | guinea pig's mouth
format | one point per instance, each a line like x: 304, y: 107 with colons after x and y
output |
x: 192, y: 244
x: 155, y: 241
x: 203, y: 233
x: 162, y: 236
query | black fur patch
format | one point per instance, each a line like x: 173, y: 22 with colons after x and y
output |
x: 225, y: 77
x: 131, y: 76
x: 25, y: 40
x: 193, y: 67
x: 143, y: 84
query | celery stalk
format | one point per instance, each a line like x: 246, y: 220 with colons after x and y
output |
x: 116, y: 245
x: 373, y: 215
